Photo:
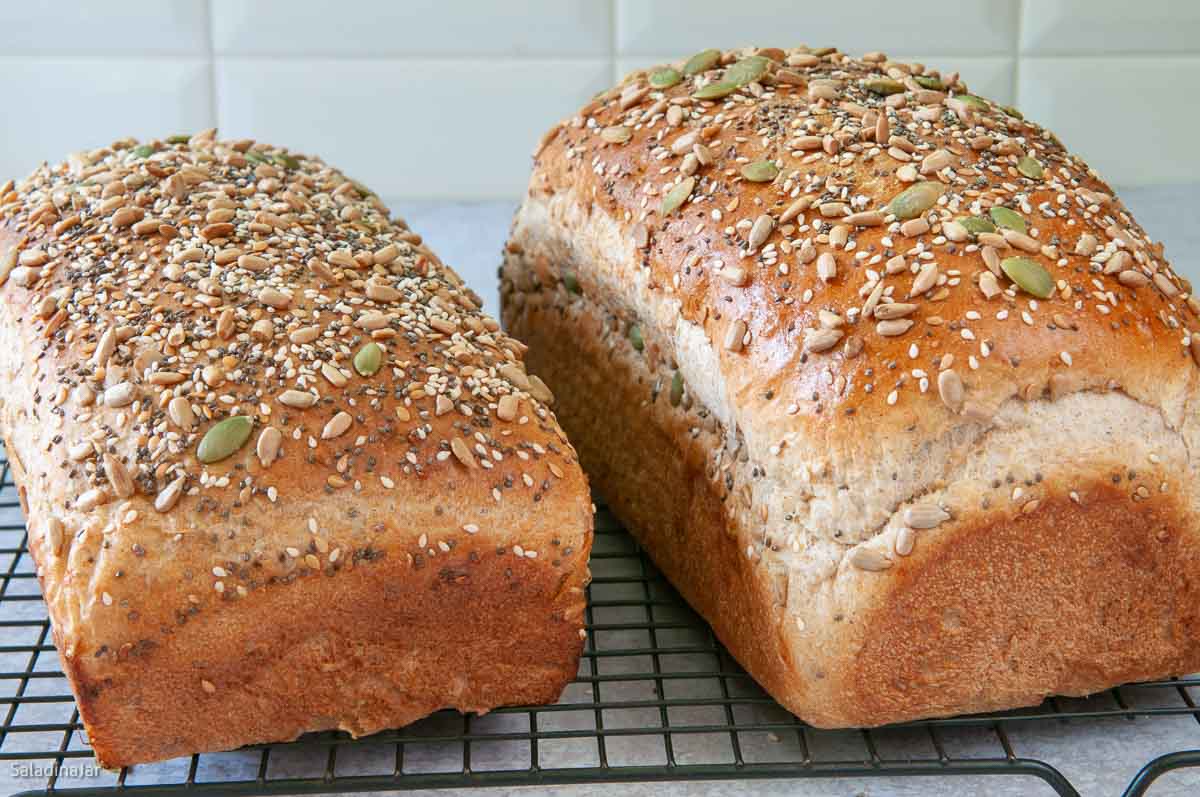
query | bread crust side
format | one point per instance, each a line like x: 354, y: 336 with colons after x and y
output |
x: 473, y: 630
x: 649, y: 465
x: 1004, y: 608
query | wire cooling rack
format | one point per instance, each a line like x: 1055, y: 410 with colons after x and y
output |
x: 656, y: 698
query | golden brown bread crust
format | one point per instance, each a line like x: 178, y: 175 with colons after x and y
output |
x: 825, y: 482
x: 417, y: 538
x: 374, y: 649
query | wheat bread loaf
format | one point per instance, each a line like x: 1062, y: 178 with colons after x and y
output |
x: 281, y: 472
x: 889, y: 383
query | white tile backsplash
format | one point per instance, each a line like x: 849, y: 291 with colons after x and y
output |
x: 1110, y: 28
x: 71, y: 104
x: 413, y: 27
x: 409, y: 128
x: 1131, y: 119
x: 117, y: 28
x: 445, y: 98
x: 686, y: 26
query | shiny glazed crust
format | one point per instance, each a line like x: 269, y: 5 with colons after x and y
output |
x: 400, y: 526
x: 882, y: 520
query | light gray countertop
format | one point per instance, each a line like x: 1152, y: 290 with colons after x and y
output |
x: 1098, y: 757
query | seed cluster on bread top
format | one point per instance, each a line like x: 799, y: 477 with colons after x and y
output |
x: 218, y: 333
x: 806, y: 207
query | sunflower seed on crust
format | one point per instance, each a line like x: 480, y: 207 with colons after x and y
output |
x: 925, y: 516
x: 267, y: 448
x: 169, y: 496
x: 866, y: 558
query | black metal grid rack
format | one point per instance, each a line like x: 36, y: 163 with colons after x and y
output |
x: 656, y: 698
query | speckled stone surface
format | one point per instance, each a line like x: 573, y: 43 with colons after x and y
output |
x: 1098, y: 757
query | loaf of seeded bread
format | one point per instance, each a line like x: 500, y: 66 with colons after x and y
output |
x: 281, y: 473
x: 889, y: 384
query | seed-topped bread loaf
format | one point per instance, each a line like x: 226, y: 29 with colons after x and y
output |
x: 282, y: 474
x: 888, y: 383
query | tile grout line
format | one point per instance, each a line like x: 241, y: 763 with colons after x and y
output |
x: 212, y: 63
x: 613, y: 12
x: 518, y: 58
x: 1016, y: 51
x: 396, y: 57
